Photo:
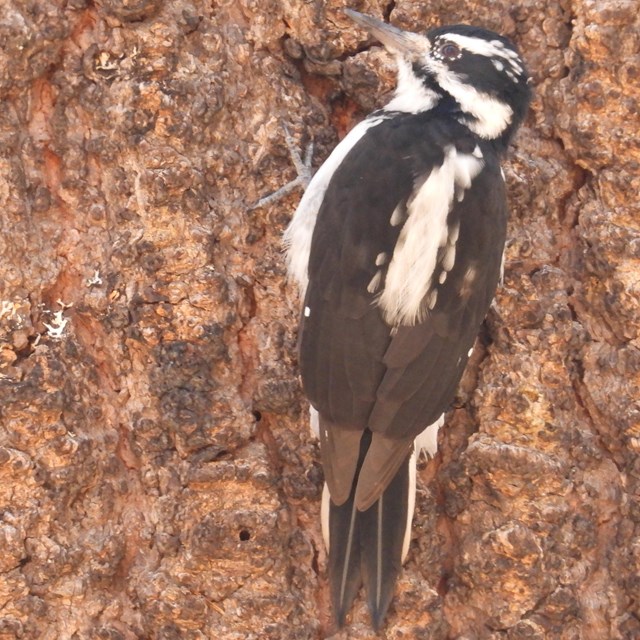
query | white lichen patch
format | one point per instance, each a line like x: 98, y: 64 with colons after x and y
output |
x: 95, y: 280
x: 14, y: 314
x: 56, y: 328
x: 7, y: 309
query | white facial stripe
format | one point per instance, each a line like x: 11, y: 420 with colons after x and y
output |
x: 297, y: 237
x: 414, y: 259
x: 492, y: 116
x: 474, y: 45
x: 411, y: 96
x: 489, y: 49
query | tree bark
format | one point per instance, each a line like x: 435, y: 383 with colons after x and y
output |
x: 157, y: 476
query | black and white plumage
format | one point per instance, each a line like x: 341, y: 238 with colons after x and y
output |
x: 397, y: 247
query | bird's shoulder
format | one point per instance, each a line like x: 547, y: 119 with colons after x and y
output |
x: 413, y: 142
x: 369, y: 198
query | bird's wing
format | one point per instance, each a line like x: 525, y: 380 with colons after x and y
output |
x: 357, y: 370
x: 342, y: 335
x: 377, y: 384
x: 423, y: 363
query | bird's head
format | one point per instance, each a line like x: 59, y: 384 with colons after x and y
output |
x: 479, y: 73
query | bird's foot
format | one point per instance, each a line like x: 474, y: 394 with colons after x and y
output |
x: 303, y: 169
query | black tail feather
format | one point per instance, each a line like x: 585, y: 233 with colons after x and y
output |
x: 344, y: 556
x: 344, y: 545
x: 367, y: 546
x: 382, y: 531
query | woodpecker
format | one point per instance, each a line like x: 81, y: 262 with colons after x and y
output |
x: 397, y: 246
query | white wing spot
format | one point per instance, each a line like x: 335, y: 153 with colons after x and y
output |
x: 314, y: 422
x: 307, y: 312
x: 498, y: 65
x: 374, y: 284
x: 442, y: 277
x: 433, y: 298
x: 398, y: 215
x: 381, y: 258
x: 449, y: 257
x: 467, y: 281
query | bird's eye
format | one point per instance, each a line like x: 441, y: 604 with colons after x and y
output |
x: 450, y: 51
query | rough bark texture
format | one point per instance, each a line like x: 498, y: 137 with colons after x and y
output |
x: 157, y: 479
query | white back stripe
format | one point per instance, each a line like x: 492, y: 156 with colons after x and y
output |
x: 414, y: 258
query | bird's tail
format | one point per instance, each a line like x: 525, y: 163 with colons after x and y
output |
x: 369, y: 546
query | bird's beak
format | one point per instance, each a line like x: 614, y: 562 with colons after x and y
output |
x: 395, y: 40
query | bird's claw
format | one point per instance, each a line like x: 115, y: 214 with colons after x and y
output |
x: 303, y: 169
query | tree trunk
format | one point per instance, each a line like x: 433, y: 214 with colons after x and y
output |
x: 157, y: 476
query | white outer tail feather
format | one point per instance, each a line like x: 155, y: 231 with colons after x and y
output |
x: 426, y: 442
